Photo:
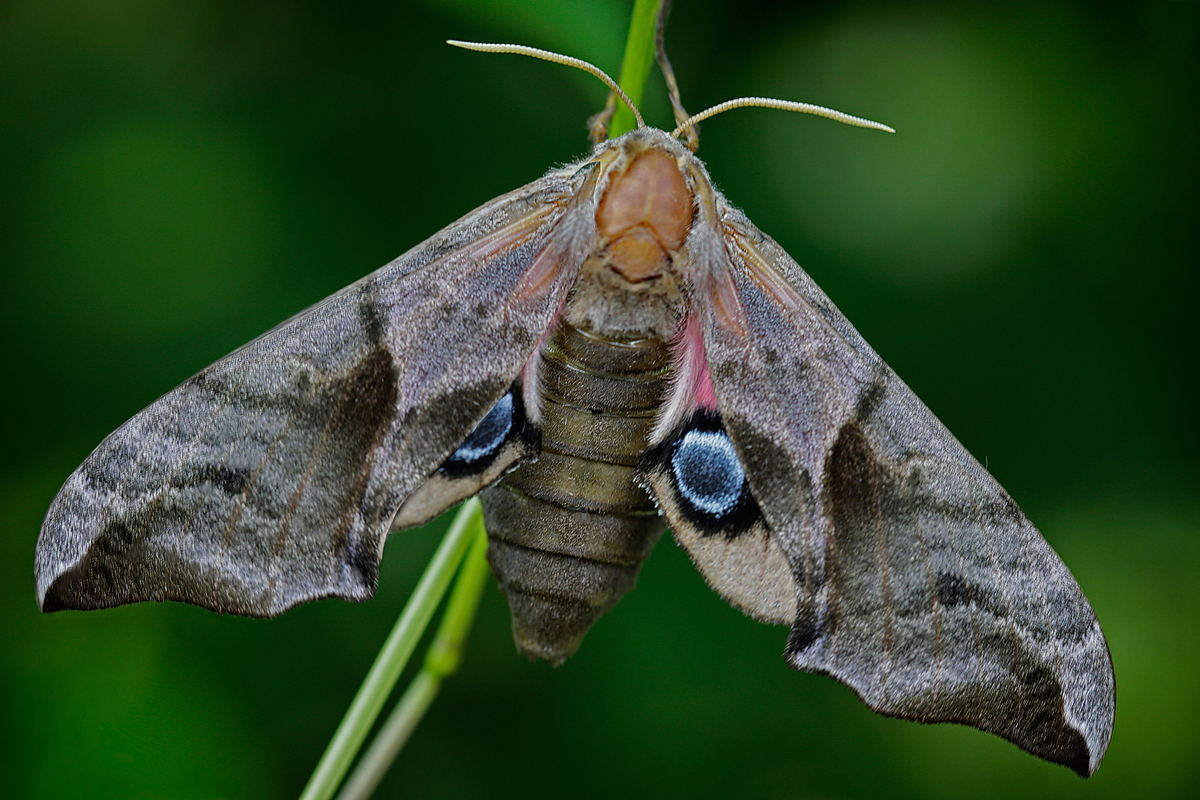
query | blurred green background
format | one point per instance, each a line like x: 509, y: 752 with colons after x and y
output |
x: 177, y: 177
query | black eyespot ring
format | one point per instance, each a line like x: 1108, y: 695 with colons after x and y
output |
x: 706, y: 476
x: 488, y: 435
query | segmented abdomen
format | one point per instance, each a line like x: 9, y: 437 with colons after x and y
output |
x: 569, y: 532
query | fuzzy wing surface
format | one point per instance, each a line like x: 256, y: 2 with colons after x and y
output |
x: 272, y: 477
x: 920, y: 583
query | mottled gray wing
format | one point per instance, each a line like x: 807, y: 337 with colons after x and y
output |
x: 273, y: 476
x: 919, y: 582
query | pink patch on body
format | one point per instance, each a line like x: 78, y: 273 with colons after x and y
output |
x: 692, y: 387
x: 693, y: 367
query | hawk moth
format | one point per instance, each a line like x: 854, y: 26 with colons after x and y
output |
x: 607, y: 351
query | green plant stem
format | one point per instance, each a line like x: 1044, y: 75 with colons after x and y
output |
x: 442, y: 659
x: 635, y: 69
x: 394, y: 655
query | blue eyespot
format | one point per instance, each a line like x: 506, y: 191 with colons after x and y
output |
x: 707, y: 471
x: 488, y: 435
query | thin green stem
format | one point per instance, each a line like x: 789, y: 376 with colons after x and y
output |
x: 442, y: 659
x: 635, y: 69
x: 395, y: 653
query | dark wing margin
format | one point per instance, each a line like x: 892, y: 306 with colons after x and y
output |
x: 920, y: 583
x: 273, y: 476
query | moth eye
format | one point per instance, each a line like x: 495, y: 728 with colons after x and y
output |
x: 707, y: 471
x: 488, y: 435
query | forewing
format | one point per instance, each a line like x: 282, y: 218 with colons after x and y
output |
x: 919, y: 582
x: 273, y: 476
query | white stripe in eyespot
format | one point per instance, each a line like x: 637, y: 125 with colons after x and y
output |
x: 489, y: 434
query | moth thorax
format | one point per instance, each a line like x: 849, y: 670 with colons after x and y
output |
x: 645, y: 215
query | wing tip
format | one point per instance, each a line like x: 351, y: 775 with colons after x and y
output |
x: 51, y: 579
x: 1078, y: 747
x: 52, y: 600
x: 1087, y: 759
x: 1073, y: 750
x: 67, y: 588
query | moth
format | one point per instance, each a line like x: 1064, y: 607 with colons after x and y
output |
x: 607, y: 351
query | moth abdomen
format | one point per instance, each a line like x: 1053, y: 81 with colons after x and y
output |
x: 569, y: 531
